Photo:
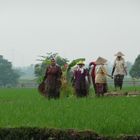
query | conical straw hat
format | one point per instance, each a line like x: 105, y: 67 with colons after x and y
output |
x: 100, y: 60
x: 119, y: 54
x: 80, y: 63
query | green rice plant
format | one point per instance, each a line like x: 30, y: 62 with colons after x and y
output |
x: 110, y: 116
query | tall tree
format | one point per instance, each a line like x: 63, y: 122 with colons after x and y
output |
x: 8, y: 76
x: 129, y: 66
x: 135, y: 70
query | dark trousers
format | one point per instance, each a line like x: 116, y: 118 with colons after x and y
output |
x: 81, y: 92
x: 55, y: 94
x: 118, y: 81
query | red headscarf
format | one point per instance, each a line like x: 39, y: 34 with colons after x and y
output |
x: 93, y: 70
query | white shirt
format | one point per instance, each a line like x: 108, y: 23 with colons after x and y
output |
x: 120, y: 67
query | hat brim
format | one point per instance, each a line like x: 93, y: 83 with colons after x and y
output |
x: 119, y: 54
x: 100, y: 61
x: 80, y: 64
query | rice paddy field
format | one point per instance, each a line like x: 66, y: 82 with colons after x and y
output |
x: 109, y: 116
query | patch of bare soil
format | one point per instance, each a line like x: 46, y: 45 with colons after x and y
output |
x: 56, y: 134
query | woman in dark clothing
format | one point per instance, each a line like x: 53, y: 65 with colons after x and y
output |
x: 52, y: 80
x: 80, y: 83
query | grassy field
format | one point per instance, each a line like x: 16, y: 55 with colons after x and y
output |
x: 109, y: 116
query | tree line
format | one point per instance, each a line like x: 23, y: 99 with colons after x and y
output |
x: 10, y: 76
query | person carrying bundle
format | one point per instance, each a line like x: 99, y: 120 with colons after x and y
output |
x: 52, y: 79
x: 100, y: 78
x: 80, y: 83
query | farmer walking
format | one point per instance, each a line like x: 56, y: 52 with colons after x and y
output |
x: 119, y: 70
x: 52, y: 79
x: 100, y: 78
x: 80, y: 82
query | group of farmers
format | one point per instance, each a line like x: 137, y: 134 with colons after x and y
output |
x: 82, y: 77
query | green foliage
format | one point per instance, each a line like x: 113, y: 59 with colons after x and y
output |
x: 45, y: 61
x: 26, y: 72
x: 129, y: 66
x: 8, y: 76
x: 74, y: 62
x: 135, y: 70
x: 67, y: 90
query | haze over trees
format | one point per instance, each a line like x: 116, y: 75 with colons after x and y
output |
x: 27, y: 72
x: 135, y: 70
x: 8, y: 75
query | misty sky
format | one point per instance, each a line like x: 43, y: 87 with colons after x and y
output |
x: 73, y: 28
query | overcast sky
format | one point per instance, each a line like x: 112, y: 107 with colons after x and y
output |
x: 73, y: 28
